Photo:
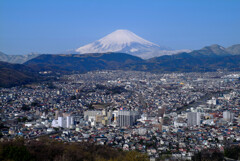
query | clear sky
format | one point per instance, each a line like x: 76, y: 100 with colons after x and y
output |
x: 53, y: 26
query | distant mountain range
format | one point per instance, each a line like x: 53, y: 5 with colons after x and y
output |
x: 124, y: 41
x: 19, y: 59
x: 210, y: 58
x: 216, y: 50
x: 121, y: 41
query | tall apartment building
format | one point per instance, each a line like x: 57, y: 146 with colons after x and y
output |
x: 193, y: 118
x: 127, y: 118
x: 64, y: 122
x: 228, y: 116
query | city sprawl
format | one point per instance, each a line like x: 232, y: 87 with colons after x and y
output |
x: 178, y: 113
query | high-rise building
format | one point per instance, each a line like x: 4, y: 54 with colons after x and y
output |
x: 228, y: 116
x: 127, y: 118
x: 69, y: 121
x: 193, y: 118
x: 64, y: 122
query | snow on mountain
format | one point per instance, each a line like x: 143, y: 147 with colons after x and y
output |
x: 127, y: 42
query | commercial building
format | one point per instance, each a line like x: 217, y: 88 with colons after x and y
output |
x: 98, y: 117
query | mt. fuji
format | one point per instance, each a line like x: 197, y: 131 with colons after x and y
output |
x: 126, y: 42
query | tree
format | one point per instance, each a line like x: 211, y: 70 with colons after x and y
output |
x: 15, y: 151
x: 135, y: 156
x: 232, y: 152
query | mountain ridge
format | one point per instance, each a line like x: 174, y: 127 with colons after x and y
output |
x: 17, y: 59
x: 207, y: 59
x: 210, y: 58
x: 16, y: 74
x: 67, y: 63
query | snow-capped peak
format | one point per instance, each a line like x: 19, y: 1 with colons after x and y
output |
x: 116, y: 42
x: 123, y: 37
x: 127, y: 42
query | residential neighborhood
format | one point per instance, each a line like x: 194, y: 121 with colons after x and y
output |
x: 163, y: 115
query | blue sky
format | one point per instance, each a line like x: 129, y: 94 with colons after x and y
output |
x: 52, y: 26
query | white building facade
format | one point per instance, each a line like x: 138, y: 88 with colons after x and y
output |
x: 194, y: 119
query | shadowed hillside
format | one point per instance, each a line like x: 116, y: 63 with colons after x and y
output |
x: 16, y: 74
